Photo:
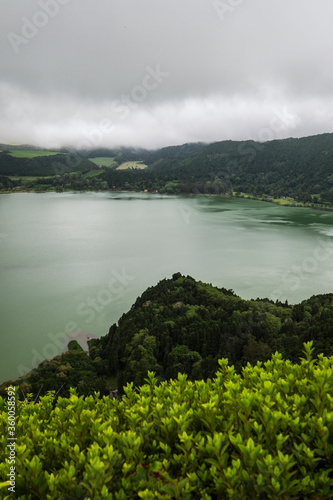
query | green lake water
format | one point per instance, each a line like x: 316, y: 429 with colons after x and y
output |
x: 77, y: 261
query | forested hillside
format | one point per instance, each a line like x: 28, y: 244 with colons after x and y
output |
x: 291, y: 167
x: 185, y: 326
x: 301, y: 169
x: 298, y: 170
x: 181, y: 325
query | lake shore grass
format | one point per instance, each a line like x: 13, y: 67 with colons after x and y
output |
x: 285, y: 201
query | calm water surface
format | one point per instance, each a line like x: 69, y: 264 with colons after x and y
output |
x: 77, y: 262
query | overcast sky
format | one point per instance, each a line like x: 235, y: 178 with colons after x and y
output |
x: 153, y: 73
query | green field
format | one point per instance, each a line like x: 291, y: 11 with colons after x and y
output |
x: 132, y: 164
x: 32, y: 154
x: 104, y: 161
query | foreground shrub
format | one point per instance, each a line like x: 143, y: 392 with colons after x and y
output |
x: 265, y: 434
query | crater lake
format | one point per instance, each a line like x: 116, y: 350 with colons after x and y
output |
x: 73, y: 263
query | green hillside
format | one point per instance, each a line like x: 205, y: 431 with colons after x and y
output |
x: 301, y: 169
x: 185, y: 326
x: 289, y: 171
x: 290, y: 167
x: 181, y: 325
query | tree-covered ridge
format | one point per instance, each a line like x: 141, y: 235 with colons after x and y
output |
x: 185, y: 326
x: 181, y: 325
x: 298, y: 170
x: 290, y: 167
x: 264, y: 434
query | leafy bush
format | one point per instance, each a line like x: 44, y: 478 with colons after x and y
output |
x: 267, y: 433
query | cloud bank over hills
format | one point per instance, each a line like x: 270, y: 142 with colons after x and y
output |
x: 150, y: 75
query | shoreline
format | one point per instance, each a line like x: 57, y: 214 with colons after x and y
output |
x: 82, y: 338
x: 244, y: 196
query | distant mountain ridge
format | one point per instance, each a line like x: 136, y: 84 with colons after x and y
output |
x: 301, y: 169
x: 286, y: 167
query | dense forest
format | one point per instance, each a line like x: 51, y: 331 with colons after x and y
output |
x: 298, y: 170
x: 301, y: 169
x: 185, y: 326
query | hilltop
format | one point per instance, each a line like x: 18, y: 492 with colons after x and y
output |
x: 185, y: 326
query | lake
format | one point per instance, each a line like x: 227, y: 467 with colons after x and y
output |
x: 75, y: 262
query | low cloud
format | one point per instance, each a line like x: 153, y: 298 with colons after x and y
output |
x: 224, y: 70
